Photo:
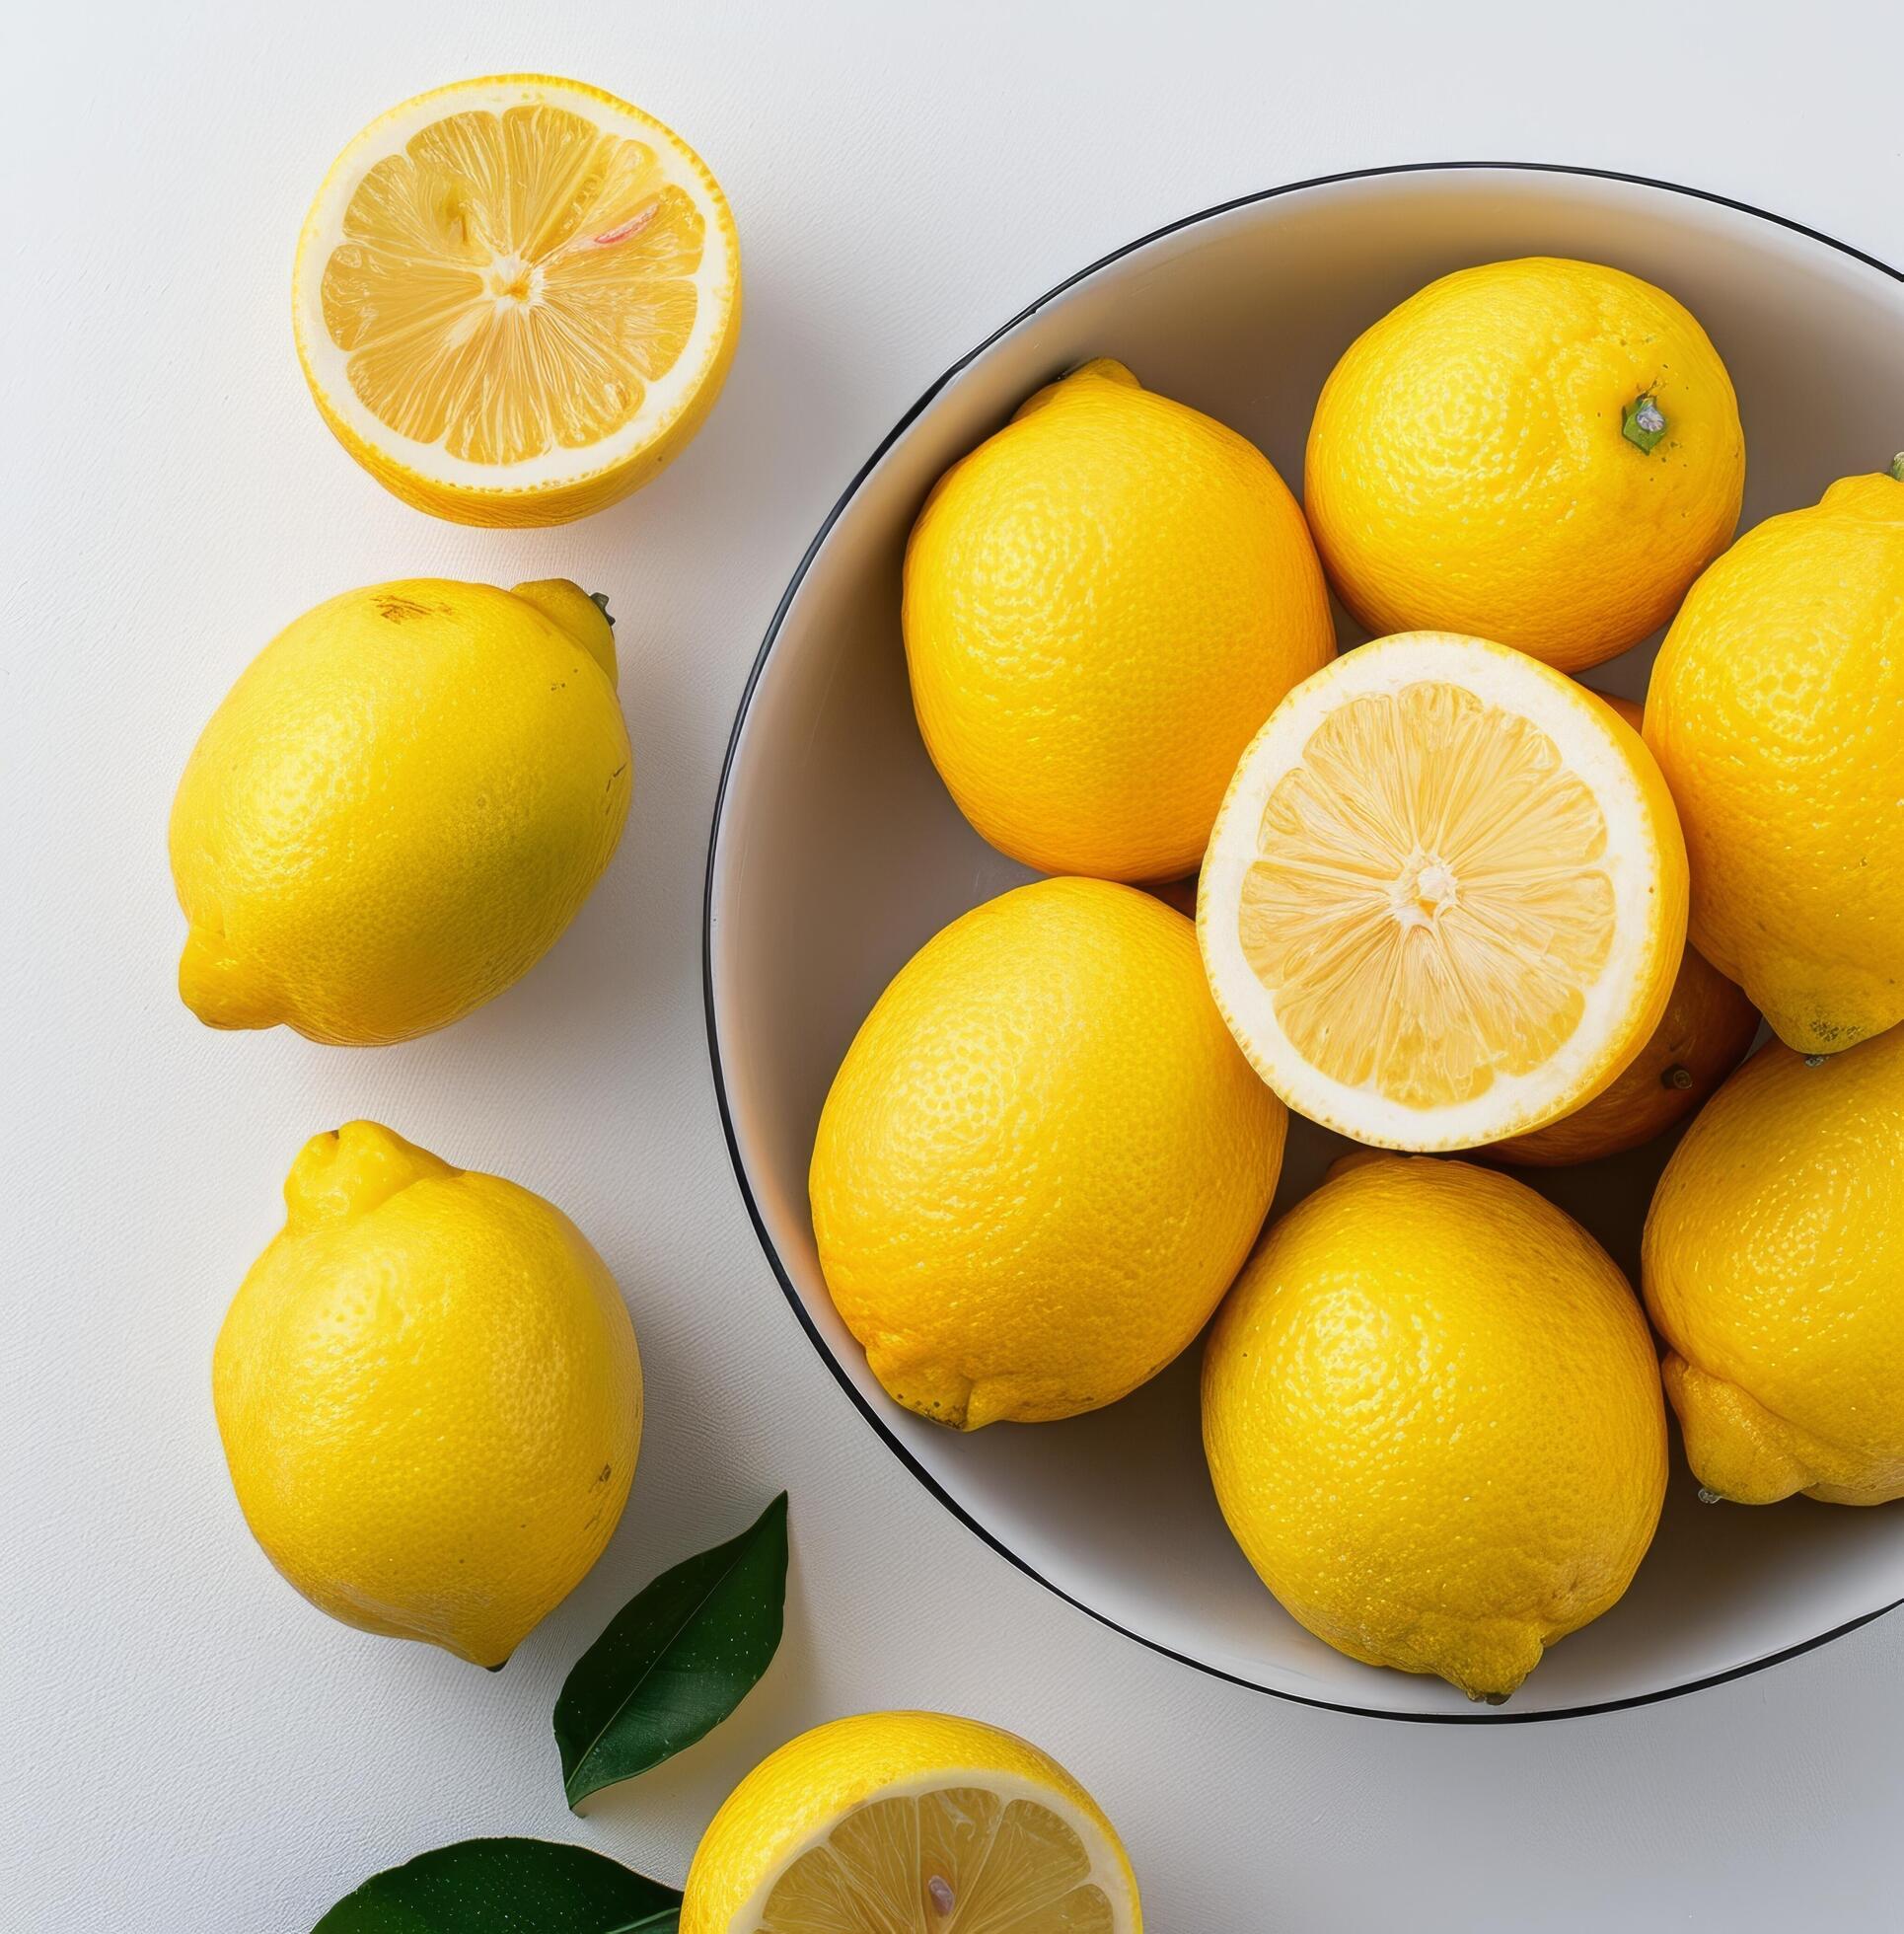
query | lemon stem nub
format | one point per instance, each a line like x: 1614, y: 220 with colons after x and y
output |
x: 1645, y: 423
x: 1677, y: 1077
x: 1897, y: 466
x: 1710, y: 1497
x: 601, y: 598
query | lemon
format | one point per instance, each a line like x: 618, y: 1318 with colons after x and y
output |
x: 1773, y: 1263
x: 898, y: 1821
x: 1542, y: 452
x: 1445, y: 897
x: 1707, y: 1027
x: 429, y: 1395
x: 516, y: 299
x: 398, y: 807
x: 1777, y: 712
x: 1102, y: 603
x: 1041, y: 1160
x: 1433, y: 1420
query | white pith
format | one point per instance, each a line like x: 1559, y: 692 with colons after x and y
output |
x: 1107, y: 1870
x: 665, y: 397
x: 1573, y: 721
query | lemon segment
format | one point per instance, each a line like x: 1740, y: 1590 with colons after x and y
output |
x: 910, y: 1822
x: 1444, y: 900
x: 516, y: 298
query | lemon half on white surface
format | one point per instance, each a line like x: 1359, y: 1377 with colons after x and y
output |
x: 516, y: 299
x: 1445, y: 896
x: 910, y: 1822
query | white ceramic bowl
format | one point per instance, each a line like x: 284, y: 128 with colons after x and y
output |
x: 837, y: 852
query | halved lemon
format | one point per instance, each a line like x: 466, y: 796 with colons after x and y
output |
x: 1445, y: 897
x: 516, y: 299
x: 910, y: 1822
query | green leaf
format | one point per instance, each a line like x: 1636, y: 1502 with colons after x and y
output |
x: 676, y: 1659
x: 506, y: 1886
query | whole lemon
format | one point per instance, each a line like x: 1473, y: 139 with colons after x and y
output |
x: 1041, y: 1160
x: 1433, y: 1420
x: 429, y: 1395
x: 909, y: 1819
x: 398, y: 807
x: 1773, y: 1264
x: 1777, y: 713
x: 1103, y: 602
x: 1545, y: 453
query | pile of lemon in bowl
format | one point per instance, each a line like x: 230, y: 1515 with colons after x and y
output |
x: 1448, y: 898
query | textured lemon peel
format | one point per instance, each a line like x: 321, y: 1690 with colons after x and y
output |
x: 1745, y: 1453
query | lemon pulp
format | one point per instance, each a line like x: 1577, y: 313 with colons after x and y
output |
x: 1426, y: 907
x: 511, y: 283
x: 957, y: 1860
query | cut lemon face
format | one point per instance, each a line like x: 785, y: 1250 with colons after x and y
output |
x: 948, y: 1857
x: 1445, y: 897
x: 909, y: 1823
x: 516, y: 299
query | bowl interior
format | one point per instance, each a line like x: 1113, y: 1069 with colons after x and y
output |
x: 837, y: 853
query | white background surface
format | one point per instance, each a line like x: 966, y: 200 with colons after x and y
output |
x: 185, y: 1745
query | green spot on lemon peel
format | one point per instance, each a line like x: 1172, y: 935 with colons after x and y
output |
x: 1645, y: 423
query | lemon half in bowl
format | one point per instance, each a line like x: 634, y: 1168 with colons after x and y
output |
x: 1446, y: 895
x: 516, y: 299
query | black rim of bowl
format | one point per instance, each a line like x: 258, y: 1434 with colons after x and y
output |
x: 1481, y: 1716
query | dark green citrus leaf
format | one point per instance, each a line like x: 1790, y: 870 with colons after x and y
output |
x: 506, y: 1886
x: 676, y: 1659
